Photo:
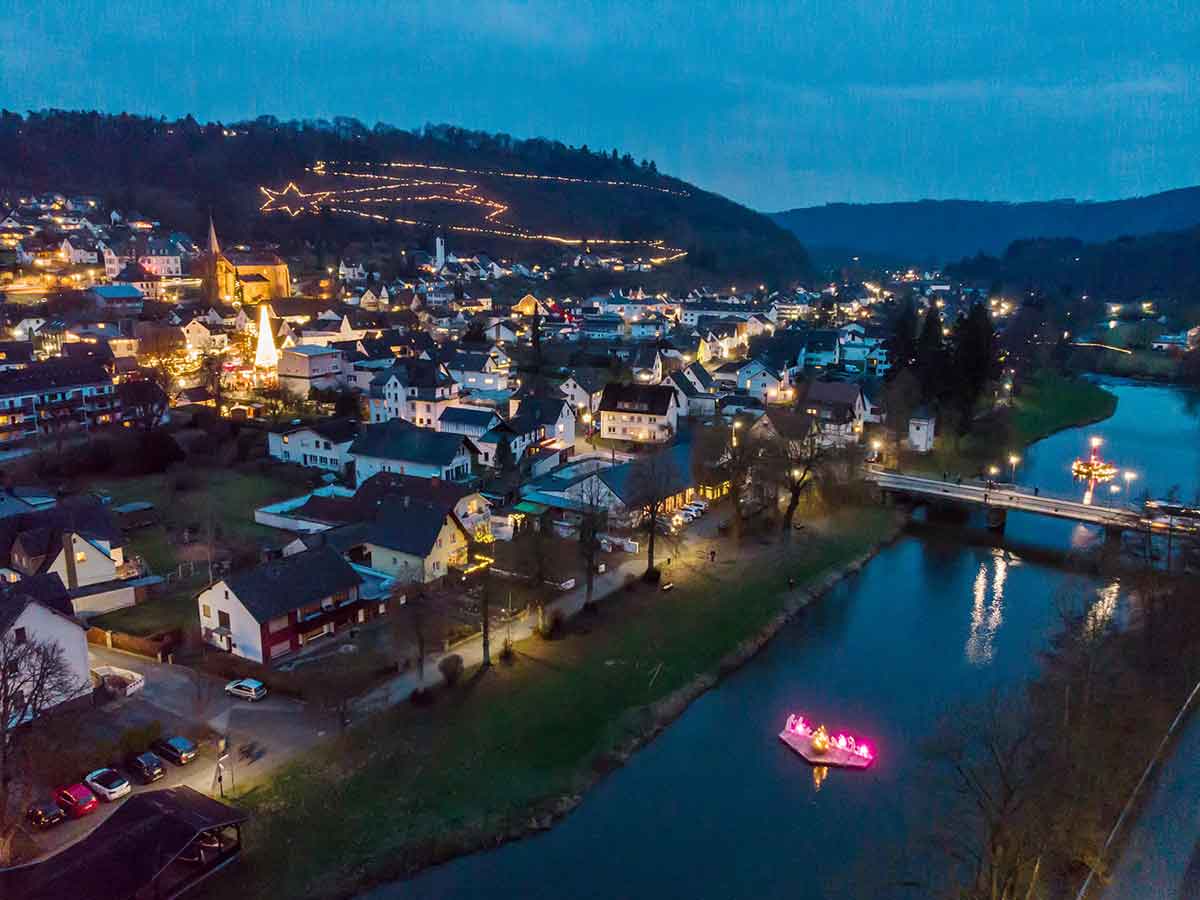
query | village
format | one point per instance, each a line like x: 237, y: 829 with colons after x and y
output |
x: 230, y: 478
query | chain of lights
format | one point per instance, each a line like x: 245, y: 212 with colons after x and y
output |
x: 320, y: 166
x: 396, y: 190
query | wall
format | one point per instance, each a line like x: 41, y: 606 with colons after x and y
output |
x: 244, y: 628
x: 43, y: 625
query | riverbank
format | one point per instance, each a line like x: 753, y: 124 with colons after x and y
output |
x: 1047, y: 404
x: 508, y: 752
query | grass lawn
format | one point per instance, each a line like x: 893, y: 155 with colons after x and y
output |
x: 230, y: 495
x: 174, y: 609
x: 370, y: 804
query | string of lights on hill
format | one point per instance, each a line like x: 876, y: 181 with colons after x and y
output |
x: 371, y: 201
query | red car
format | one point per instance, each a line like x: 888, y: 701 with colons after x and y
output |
x: 76, y: 801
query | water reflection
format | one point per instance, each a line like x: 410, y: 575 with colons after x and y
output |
x: 820, y: 773
x: 1100, y: 614
x: 987, y: 616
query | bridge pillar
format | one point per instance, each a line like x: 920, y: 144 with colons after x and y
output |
x: 1112, y: 536
x: 996, y: 518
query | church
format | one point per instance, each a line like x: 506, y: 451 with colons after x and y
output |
x: 248, y: 276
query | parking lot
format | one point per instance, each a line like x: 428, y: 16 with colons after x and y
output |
x: 262, y: 735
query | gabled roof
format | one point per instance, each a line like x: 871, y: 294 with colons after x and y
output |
x: 831, y: 392
x: 542, y: 410
x: 45, y: 589
x: 676, y: 475
x: 702, y: 376
x: 398, y: 440
x: 469, y: 416
x: 588, y: 379
x: 281, y: 585
x: 337, y: 431
x: 652, y: 399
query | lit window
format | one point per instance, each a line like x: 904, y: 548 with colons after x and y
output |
x: 80, y: 556
x: 205, y: 611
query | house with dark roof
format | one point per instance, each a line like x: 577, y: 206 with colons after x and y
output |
x: 274, y: 609
x: 416, y: 390
x: 839, y: 407
x: 643, y: 413
x: 77, y: 540
x: 405, y: 449
x: 583, y: 389
x: 321, y: 445
x: 472, y: 421
x: 407, y: 538
x: 37, y: 611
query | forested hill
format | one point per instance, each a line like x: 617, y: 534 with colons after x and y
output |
x: 940, y: 231
x: 178, y: 170
x: 1153, y: 266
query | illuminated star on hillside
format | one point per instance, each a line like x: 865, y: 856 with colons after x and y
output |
x: 290, y: 200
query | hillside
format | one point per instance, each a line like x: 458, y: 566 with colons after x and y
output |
x: 939, y: 231
x: 1165, y: 265
x: 475, y: 186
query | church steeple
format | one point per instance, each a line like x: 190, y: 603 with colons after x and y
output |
x: 214, y: 248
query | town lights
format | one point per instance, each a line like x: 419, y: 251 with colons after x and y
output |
x: 1096, y: 442
x: 993, y: 470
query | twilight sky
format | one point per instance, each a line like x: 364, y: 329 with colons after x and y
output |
x: 780, y: 104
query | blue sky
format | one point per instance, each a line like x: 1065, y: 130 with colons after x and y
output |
x: 774, y: 104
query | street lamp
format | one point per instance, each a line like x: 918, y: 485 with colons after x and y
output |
x: 1013, y: 459
x: 993, y: 471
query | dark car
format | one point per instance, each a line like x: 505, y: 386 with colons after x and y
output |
x: 45, y: 814
x: 178, y: 750
x: 145, y: 767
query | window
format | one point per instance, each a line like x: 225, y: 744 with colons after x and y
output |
x: 80, y: 556
x: 205, y: 611
x: 277, y: 624
x: 222, y: 619
x: 19, y: 635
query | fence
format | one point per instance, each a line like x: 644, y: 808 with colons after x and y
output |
x: 157, y: 647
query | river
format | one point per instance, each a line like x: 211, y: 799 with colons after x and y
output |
x: 716, y: 807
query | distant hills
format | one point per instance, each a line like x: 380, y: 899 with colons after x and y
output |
x: 1155, y: 266
x: 941, y: 231
x: 179, y: 171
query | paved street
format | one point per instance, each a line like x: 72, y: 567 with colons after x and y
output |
x: 279, y: 727
x: 1160, y: 858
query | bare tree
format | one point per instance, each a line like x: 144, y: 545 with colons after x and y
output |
x: 34, y: 676
x: 653, y: 479
x: 733, y: 453
x: 792, y: 456
x: 593, y: 519
x: 994, y: 832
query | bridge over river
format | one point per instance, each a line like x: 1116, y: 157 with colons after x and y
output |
x: 998, y: 499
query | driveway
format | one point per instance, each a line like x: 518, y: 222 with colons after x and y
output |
x: 278, y: 727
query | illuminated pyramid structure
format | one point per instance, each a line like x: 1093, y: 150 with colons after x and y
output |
x: 266, y: 356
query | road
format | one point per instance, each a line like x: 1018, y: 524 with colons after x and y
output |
x: 1161, y: 853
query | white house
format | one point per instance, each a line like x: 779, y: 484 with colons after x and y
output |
x: 325, y: 445
x: 36, y: 612
x: 404, y: 449
x: 643, y: 413
x: 306, y: 366
x: 278, y: 607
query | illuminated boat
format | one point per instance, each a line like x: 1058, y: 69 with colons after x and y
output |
x: 818, y: 747
x: 1092, y: 467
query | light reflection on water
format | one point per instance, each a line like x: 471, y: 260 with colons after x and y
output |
x: 1100, y: 614
x: 986, y: 618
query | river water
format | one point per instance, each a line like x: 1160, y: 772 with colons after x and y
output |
x: 717, y: 807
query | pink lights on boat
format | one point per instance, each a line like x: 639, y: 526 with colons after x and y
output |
x: 820, y: 748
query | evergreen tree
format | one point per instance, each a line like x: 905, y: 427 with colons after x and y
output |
x: 902, y: 347
x: 931, y: 356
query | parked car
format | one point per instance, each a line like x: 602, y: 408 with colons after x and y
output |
x: 76, y: 800
x: 247, y: 688
x: 205, y: 846
x: 108, y: 784
x: 687, y: 515
x: 698, y: 508
x: 146, y: 767
x: 178, y: 750
x: 45, y: 814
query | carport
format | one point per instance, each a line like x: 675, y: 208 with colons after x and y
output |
x: 135, y: 854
